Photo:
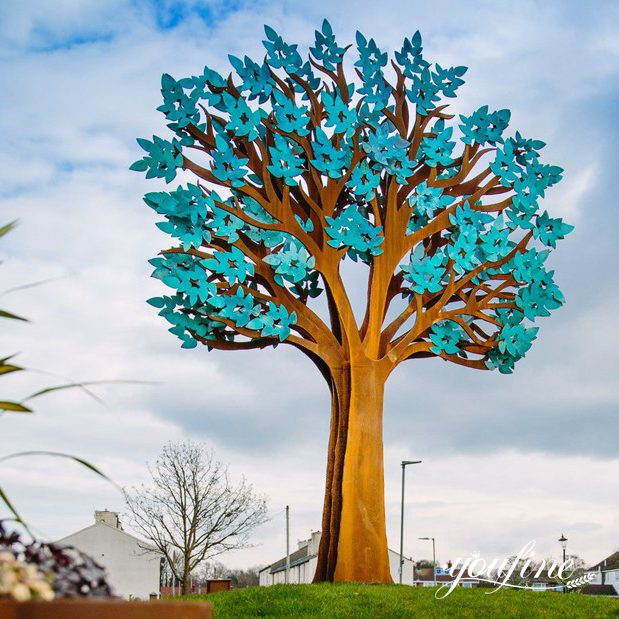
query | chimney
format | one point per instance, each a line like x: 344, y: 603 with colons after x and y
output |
x: 314, y: 544
x: 108, y: 517
x: 302, y: 543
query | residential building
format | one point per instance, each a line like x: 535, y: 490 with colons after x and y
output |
x: 303, y: 565
x: 132, y: 565
x: 605, y: 576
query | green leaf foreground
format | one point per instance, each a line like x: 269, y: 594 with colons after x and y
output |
x: 6, y: 368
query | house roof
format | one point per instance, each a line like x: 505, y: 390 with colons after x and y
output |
x: 145, y: 545
x: 610, y: 563
x: 300, y: 556
x: 296, y: 558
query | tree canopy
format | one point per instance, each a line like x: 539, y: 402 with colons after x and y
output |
x: 292, y: 168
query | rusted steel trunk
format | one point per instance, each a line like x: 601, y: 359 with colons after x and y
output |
x: 353, y: 546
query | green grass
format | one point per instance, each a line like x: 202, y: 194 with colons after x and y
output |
x: 356, y: 601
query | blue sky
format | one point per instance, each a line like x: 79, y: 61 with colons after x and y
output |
x: 506, y: 459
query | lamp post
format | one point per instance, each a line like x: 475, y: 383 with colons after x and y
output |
x: 563, y: 542
x: 433, y: 555
x: 287, y: 575
x: 405, y: 463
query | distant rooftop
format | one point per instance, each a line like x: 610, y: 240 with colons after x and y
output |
x: 610, y: 563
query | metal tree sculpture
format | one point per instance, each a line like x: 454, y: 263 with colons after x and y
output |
x: 298, y: 169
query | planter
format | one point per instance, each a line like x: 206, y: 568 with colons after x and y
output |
x: 104, y: 609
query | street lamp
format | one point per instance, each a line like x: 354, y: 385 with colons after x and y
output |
x: 433, y: 555
x: 563, y: 542
x: 405, y: 463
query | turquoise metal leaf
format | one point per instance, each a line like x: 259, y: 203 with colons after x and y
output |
x: 287, y: 160
x: 290, y: 117
x: 516, y: 339
x: 238, y: 307
x: 178, y: 106
x: 448, y: 80
x: 484, y: 127
x: 306, y: 226
x: 243, y: 120
x: 280, y: 55
x: 410, y: 57
x: 424, y: 93
x: 277, y: 321
x: 550, y: 230
x: 496, y: 244
x: 162, y: 161
x: 528, y: 266
x: 339, y: 116
x: 233, y: 265
x: 328, y: 159
x: 416, y: 222
x: 425, y: 273
x: 227, y: 166
x: 505, y: 164
x: 255, y: 79
x: 374, y: 89
x: 308, y: 287
x: 186, y: 275
x: 363, y: 180
x: 292, y: 263
x: 523, y: 207
x: 502, y: 361
x: 384, y: 144
x: 437, y: 150
x: 446, y: 335
x: 326, y: 50
x: 463, y: 251
x: 464, y: 216
x: 428, y: 200
x: 224, y: 225
x: 306, y: 73
x: 389, y: 152
x: 540, y: 296
x: 371, y: 59
x: 509, y: 316
x: 185, y: 211
x: 352, y: 229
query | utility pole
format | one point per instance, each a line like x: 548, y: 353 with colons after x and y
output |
x: 287, y: 544
x: 434, y: 559
x: 404, y: 464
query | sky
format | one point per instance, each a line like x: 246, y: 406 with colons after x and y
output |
x: 506, y: 459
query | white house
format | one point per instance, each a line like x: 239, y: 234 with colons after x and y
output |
x: 605, y: 576
x: 303, y: 565
x: 133, y: 567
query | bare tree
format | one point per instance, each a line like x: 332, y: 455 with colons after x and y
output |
x: 193, y: 509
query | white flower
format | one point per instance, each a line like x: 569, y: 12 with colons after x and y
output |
x: 22, y: 581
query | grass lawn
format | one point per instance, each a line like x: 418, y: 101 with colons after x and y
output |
x: 352, y: 601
